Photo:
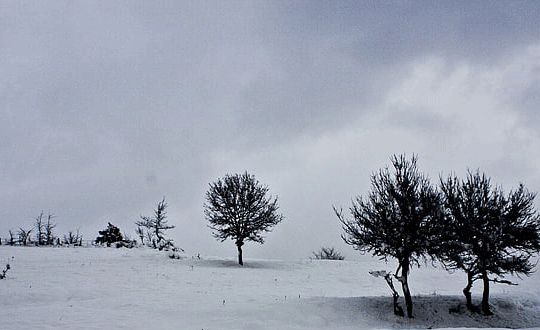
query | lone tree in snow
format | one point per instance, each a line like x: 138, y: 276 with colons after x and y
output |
x: 398, y: 219
x: 156, y: 227
x: 487, y: 233
x: 238, y: 208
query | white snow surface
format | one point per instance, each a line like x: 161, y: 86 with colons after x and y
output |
x: 108, y: 288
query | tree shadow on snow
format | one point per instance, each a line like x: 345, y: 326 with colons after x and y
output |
x: 430, y: 311
x: 250, y: 264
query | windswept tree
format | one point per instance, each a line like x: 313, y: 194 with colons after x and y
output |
x: 239, y: 208
x: 488, y: 234
x: 156, y: 226
x: 398, y: 219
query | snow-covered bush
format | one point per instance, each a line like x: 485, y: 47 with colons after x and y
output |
x: 110, y: 235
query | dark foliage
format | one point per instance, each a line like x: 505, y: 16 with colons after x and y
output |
x: 328, y: 253
x: 110, y: 235
x: 487, y: 234
x: 75, y: 238
x: 398, y: 219
x: 238, y: 208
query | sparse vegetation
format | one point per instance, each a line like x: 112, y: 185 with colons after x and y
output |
x: 24, y: 236
x: 44, y: 229
x: 73, y: 238
x: 155, y: 228
x: 328, y: 253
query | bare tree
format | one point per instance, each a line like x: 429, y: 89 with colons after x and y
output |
x: 156, y: 226
x: 24, y: 236
x: 11, y: 238
x: 238, y: 208
x: 40, y: 229
x: 49, y: 226
x: 140, y: 232
x: 397, y: 219
x: 73, y: 238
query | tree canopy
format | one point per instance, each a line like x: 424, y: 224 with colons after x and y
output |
x: 397, y: 219
x: 487, y: 233
x: 238, y: 207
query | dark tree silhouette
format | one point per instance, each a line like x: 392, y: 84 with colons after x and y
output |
x: 75, y: 238
x: 11, y: 238
x: 328, y: 253
x: 49, y: 226
x: 40, y: 229
x: 156, y: 226
x: 108, y: 236
x: 238, y: 208
x: 398, y: 219
x: 487, y: 233
x: 24, y: 236
x: 44, y: 229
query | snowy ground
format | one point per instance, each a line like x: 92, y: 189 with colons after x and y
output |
x: 100, y: 288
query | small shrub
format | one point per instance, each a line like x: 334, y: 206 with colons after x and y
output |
x: 327, y: 253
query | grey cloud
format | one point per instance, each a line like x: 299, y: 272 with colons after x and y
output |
x: 107, y: 106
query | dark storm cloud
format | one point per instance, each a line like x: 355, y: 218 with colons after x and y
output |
x: 105, y: 107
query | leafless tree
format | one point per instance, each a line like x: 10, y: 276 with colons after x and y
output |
x: 156, y: 226
x: 487, y: 233
x: 397, y: 219
x: 24, y: 236
x: 40, y: 229
x: 238, y: 208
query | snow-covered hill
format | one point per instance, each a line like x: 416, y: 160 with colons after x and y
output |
x: 107, y: 288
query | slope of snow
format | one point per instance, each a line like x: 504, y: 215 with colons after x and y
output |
x: 107, y: 288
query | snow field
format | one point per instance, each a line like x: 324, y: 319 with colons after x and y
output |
x: 107, y: 288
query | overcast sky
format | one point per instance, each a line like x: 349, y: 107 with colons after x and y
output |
x: 108, y: 106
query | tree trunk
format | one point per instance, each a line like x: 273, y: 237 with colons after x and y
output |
x: 239, y: 245
x: 467, y: 291
x: 405, y: 286
x: 485, y: 294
